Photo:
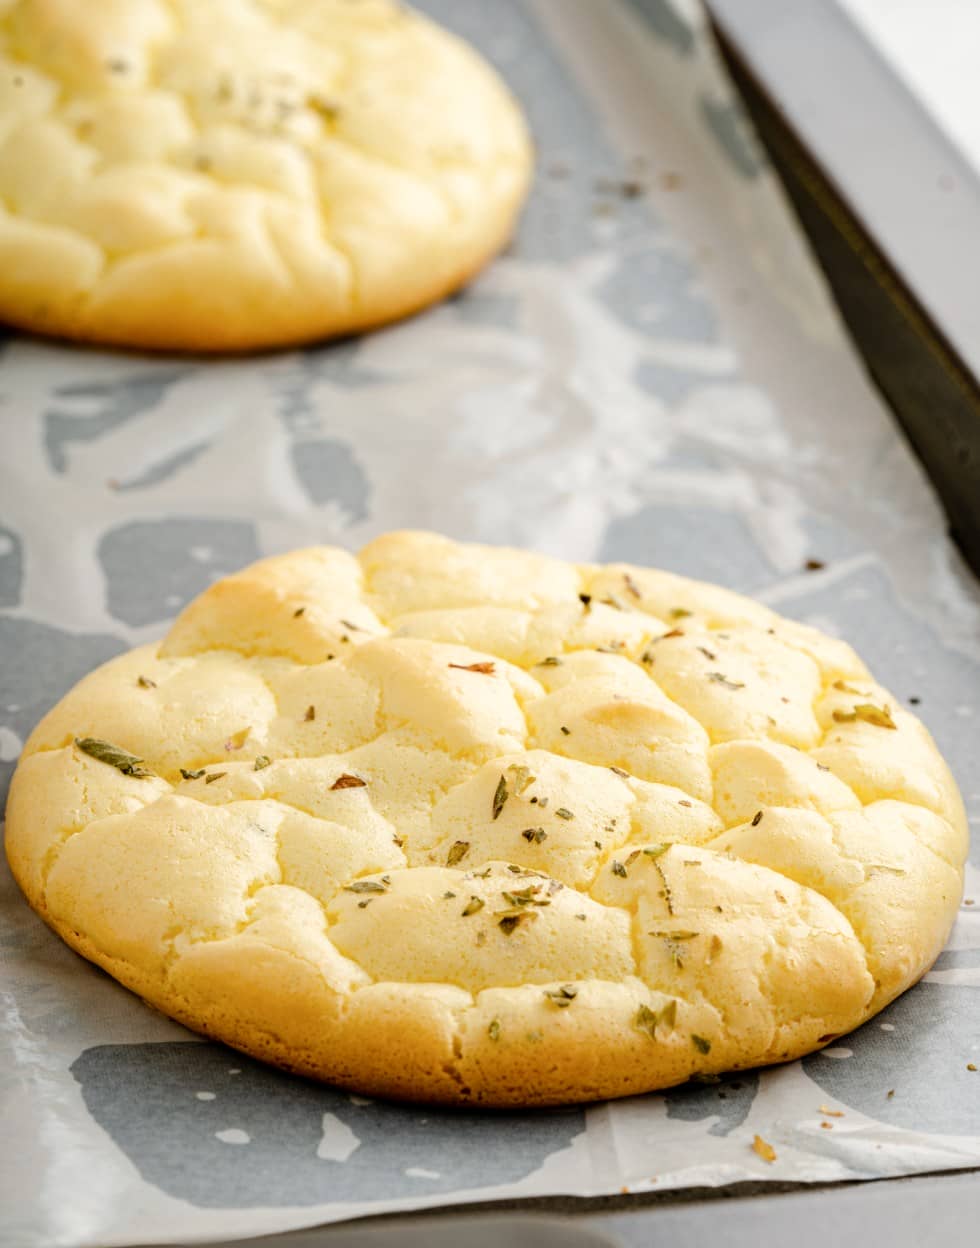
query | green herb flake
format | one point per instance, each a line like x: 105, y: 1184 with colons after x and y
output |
x: 631, y: 586
x: 457, y: 852
x: 144, y: 682
x: 756, y: 819
x: 534, y: 835
x: 654, y: 851
x: 500, y: 796
x: 191, y: 775
x: 214, y: 775
x: 565, y: 732
x: 679, y: 613
x: 719, y: 678
x: 509, y: 922
x: 310, y: 714
x: 298, y: 612
x: 703, y: 1046
x: 649, y: 1020
x: 564, y: 813
x: 619, y: 869
x: 366, y: 886
x: 473, y: 906
x: 493, y: 1031
x: 562, y: 997
x: 261, y: 762
x: 582, y: 917
x: 447, y: 894
x: 618, y: 771
x: 113, y: 756
x: 681, y: 935
x: 551, y: 661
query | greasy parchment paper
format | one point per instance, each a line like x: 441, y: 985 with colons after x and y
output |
x: 652, y: 373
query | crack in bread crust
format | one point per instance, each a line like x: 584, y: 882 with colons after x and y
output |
x: 466, y: 824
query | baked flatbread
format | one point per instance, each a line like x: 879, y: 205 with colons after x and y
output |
x: 214, y: 175
x: 465, y: 824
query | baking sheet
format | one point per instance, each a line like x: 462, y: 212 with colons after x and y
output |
x: 651, y: 373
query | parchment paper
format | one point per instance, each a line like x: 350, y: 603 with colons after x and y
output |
x: 653, y: 373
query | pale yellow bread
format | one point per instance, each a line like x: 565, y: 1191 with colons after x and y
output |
x: 475, y: 825
x: 214, y: 175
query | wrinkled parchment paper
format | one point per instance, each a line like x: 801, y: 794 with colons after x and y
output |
x: 653, y: 373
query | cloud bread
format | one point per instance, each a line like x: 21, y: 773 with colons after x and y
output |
x: 241, y: 174
x: 471, y: 825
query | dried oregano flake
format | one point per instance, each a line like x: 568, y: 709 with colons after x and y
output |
x: 457, y: 852
x: 500, y: 796
x: 649, y: 1020
x: 113, y: 756
x: 563, y: 996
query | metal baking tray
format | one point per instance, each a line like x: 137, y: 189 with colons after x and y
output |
x: 892, y: 211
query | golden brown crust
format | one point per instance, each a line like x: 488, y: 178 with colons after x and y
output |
x: 471, y: 825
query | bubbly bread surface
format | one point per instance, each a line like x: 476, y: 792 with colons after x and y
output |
x: 238, y: 174
x: 468, y: 824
